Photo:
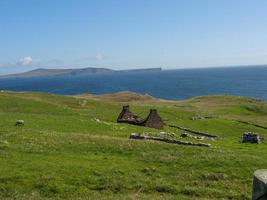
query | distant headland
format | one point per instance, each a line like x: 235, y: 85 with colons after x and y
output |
x: 43, y: 72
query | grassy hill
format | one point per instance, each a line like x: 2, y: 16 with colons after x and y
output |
x: 72, y: 148
x: 42, y: 72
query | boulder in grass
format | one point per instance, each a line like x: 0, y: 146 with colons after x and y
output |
x: 19, y: 122
x: 259, y: 191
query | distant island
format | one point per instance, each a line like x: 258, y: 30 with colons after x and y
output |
x: 42, y: 72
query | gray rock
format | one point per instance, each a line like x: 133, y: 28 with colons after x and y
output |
x: 260, y: 185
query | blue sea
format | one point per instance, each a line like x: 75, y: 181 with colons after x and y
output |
x: 168, y: 84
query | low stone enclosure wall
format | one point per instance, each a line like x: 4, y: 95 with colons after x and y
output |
x: 143, y: 137
x: 153, y: 120
x: 187, y: 135
x: 193, y: 131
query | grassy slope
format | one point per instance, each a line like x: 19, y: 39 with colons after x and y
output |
x: 63, y: 152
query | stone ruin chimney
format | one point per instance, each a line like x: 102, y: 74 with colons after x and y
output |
x: 126, y: 116
x: 125, y: 113
x: 153, y: 120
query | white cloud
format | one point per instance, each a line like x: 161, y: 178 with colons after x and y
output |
x: 25, y: 61
x: 99, y: 57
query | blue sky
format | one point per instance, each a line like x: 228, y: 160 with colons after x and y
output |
x: 122, y: 34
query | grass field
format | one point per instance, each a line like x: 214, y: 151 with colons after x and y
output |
x: 72, y: 148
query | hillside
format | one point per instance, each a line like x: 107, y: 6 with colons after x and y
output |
x: 57, y: 72
x: 72, y: 148
x: 124, y: 96
x: 42, y: 72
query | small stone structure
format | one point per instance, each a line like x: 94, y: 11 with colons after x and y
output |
x: 249, y: 137
x: 260, y: 185
x: 153, y: 120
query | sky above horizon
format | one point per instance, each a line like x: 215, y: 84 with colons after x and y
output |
x: 123, y: 34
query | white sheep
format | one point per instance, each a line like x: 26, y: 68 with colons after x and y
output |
x: 19, y: 122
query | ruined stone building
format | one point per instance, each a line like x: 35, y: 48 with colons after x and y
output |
x: 126, y: 116
x: 153, y: 120
x: 249, y: 137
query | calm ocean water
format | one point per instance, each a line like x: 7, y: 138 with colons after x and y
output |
x: 167, y: 84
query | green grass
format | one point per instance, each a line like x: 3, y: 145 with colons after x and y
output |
x: 63, y: 152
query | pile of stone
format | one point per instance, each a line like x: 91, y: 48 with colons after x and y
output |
x: 160, y: 134
x: 187, y: 135
x: 203, y: 117
x: 250, y: 137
